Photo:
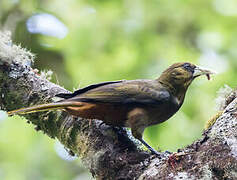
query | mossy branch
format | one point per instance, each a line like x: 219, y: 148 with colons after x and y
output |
x: 107, y: 152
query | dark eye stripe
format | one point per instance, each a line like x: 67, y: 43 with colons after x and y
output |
x: 188, y: 67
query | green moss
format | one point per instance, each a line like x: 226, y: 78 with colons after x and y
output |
x: 212, y: 120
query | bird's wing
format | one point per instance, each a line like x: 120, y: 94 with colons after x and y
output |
x: 124, y: 92
x: 85, y: 89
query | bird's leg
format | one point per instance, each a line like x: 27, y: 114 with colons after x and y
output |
x: 153, y: 151
x: 137, y: 120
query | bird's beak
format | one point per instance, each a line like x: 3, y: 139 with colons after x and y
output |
x: 200, y: 71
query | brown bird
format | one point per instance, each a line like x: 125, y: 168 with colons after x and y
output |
x: 129, y: 103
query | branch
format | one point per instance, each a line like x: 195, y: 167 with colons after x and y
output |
x: 110, y: 153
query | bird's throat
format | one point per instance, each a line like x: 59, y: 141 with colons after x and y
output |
x: 177, y: 92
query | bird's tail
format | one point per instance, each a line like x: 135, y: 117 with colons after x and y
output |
x: 45, y: 107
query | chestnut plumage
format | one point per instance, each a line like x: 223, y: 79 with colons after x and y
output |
x: 129, y: 103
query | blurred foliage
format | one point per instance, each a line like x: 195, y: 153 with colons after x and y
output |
x: 111, y: 40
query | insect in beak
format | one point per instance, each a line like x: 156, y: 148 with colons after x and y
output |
x: 200, y: 71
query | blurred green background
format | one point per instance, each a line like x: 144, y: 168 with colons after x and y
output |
x: 86, y: 42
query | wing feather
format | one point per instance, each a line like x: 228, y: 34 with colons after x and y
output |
x: 125, y: 92
x: 85, y: 89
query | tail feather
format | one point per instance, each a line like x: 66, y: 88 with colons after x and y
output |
x: 45, y: 107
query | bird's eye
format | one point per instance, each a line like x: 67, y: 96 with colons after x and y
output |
x: 188, y: 67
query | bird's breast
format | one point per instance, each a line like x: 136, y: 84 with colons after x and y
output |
x: 162, y: 113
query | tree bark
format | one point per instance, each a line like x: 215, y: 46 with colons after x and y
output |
x: 112, y: 153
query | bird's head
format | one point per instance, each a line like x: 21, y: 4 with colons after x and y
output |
x: 181, y: 75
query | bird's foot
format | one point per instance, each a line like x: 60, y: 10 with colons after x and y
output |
x: 101, y: 123
x: 158, y: 154
x: 168, y: 152
x: 153, y: 151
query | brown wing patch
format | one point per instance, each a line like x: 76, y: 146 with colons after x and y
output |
x: 110, y: 114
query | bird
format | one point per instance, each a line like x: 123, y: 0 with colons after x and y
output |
x: 136, y: 104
